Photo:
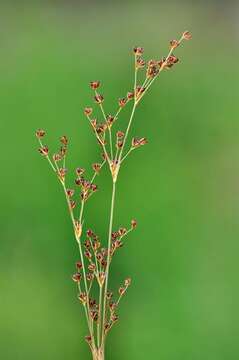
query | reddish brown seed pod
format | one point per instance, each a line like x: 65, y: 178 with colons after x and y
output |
x: 138, y: 50
x: 79, y: 265
x: 133, y: 224
x: 56, y: 157
x: 88, y: 111
x: 127, y: 282
x: 187, y: 35
x: 76, y: 277
x: 110, y: 119
x: 96, y: 167
x: 120, y: 134
x: 130, y: 95
x: 40, y: 133
x: 72, y: 204
x: 174, y: 44
x: 94, y: 187
x: 62, y: 173
x: 122, y: 231
x: 138, y: 142
x: 64, y: 140
x: 140, y: 63
x: 122, y: 102
x: 80, y: 171
x: 43, y: 150
x: 92, y: 267
x: 95, y: 84
x: 122, y: 290
x: 99, y: 98
x: 88, y: 339
x: 89, y: 277
x: 70, y: 192
x: 88, y: 255
x: 83, y: 298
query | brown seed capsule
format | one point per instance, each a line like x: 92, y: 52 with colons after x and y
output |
x: 62, y: 173
x: 80, y: 171
x: 122, y: 290
x: 76, y: 277
x: 122, y: 102
x: 120, y: 134
x: 56, y: 157
x: 133, y: 224
x: 43, y: 150
x: 138, y: 142
x: 88, y: 255
x: 40, y: 133
x: 174, y: 44
x: 89, y: 276
x: 138, y: 50
x: 110, y: 120
x: 88, y: 339
x: 64, y: 140
x: 130, y: 95
x: 127, y: 282
x: 72, y: 204
x: 83, y: 298
x: 114, y: 318
x: 79, y: 265
x: 70, y: 192
x: 140, y: 63
x: 187, y: 35
x: 172, y: 60
x: 88, y: 111
x: 109, y: 295
x: 96, y: 167
x: 92, y: 267
x: 122, y: 231
x: 94, y: 84
x: 99, y: 98
x: 112, y: 306
x: 94, y: 187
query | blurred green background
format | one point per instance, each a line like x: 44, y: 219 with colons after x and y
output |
x: 182, y: 187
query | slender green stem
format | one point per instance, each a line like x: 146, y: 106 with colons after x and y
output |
x: 99, y: 324
x: 108, y: 260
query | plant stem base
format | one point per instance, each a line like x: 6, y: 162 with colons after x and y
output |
x: 98, y: 354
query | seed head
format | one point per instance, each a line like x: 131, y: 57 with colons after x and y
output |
x: 109, y: 295
x: 89, y: 276
x: 44, y: 150
x: 76, y: 277
x: 174, y: 44
x: 64, y: 140
x: 130, y: 95
x: 79, y: 265
x: 138, y: 50
x: 88, y: 339
x: 40, y: 133
x: 96, y: 167
x: 122, y: 102
x: 80, y: 171
x: 99, y: 98
x: 56, y: 157
x: 72, y: 204
x: 120, y: 134
x: 70, y: 192
x: 95, y: 84
x: 127, y: 282
x: 187, y: 35
x: 138, y: 142
x: 92, y: 267
x: 110, y: 119
x: 140, y: 63
x: 122, y: 290
x: 88, y: 255
x: 133, y: 224
x: 83, y: 298
x: 88, y: 111
x: 62, y: 173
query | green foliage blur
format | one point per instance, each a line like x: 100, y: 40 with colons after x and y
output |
x: 182, y: 187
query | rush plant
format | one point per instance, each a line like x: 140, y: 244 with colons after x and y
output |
x: 93, y: 267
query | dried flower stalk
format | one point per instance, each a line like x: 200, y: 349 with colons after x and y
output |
x: 93, y: 268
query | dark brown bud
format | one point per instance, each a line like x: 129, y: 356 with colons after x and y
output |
x: 127, y: 282
x: 88, y: 339
x: 110, y: 120
x: 87, y: 245
x: 79, y: 265
x: 120, y: 134
x: 72, y: 204
x: 64, y: 140
x: 122, y: 290
x: 89, y: 277
x: 80, y: 171
x: 96, y: 167
x: 88, y: 111
x: 76, y: 277
x: 90, y: 233
x: 112, y: 306
x: 130, y: 95
x: 138, y: 142
x: 172, y: 60
x: 83, y: 298
x: 94, y: 187
x: 138, y: 50
x: 109, y: 295
x: 94, y: 84
x: 70, y: 192
x: 62, y: 173
x: 99, y: 98
x: 92, y: 267
x: 43, y: 150
x: 56, y: 157
x: 133, y: 224
x: 40, y: 133
x: 122, y: 102
x: 88, y: 255
x: 187, y: 35
x: 174, y: 44
x: 140, y: 63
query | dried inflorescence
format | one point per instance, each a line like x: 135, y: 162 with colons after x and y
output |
x: 96, y: 255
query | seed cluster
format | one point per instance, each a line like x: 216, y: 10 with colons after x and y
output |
x: 96, y: 255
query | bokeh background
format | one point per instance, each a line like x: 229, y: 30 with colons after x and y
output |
x: 182, y: 187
